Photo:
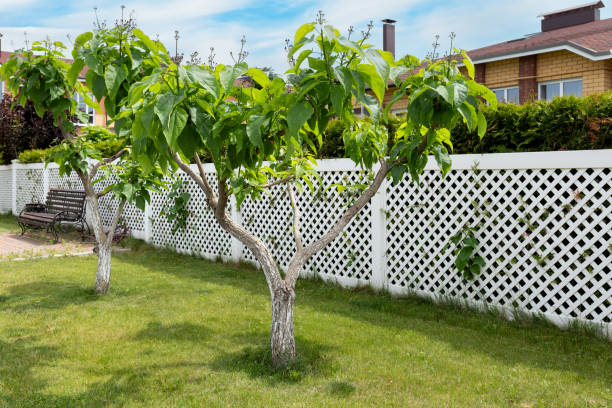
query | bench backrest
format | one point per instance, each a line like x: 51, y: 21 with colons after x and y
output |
x: 59, y: 200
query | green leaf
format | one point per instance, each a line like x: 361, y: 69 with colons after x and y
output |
x: 463, y: 257
x: 229, y: 74
x: 297, y: 116
x: 442, y: 158
x: 83, y: 38
x: 302, y: 32
x: 469, y: 66
x: 373, y: 79
x: 469, y: 114
x: 303, y: 55
x: 164, y: 106
x: 258, y: 76
x: 75, y: 70
x: 113, y: 77
x: 458, y: 92
x: 253, y: 129
x: 176, y: 124
x: 150, y: 44
x: 475, y: 269
x: 380, y: 63
x: 482, y: 124
x: 337, y: 97
x: 479, y: 260
x: 204, y: 78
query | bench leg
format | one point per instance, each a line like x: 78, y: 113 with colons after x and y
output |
x: 53, y: 231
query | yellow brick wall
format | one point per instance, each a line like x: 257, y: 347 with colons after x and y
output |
x: 565, y: 64
x: 499, y: 74
x: 596, y: 75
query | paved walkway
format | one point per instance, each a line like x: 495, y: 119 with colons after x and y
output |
x: 13, y: 245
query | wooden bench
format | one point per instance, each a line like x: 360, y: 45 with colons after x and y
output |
x: 63, y: 206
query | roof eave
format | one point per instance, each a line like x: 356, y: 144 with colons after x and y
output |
x: 567, y: 45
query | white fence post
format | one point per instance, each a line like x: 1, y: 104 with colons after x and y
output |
x: 237, y: 247
x: 148, y: 227
x: 378, y: 217
x: 14, y: 189
x: 45, y: 181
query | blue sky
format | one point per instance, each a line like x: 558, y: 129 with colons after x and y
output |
x: 221, y: 24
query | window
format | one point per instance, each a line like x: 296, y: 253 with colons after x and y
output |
x: 547, y: 91
x: 361, y: 111
x: 82, y: 106
x: 398, y: 112
x: 507, y: 95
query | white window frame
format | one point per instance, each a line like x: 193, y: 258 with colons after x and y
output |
x: 505, y: 89
x: 397, y: 112
x: 561, y: 82
x: 78, y: 98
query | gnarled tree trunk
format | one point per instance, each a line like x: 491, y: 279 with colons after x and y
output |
x: 282, y: 340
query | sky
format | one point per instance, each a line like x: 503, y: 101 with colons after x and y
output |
x: 222, y: 23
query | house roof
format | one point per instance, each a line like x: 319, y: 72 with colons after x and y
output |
x: 592, y: 40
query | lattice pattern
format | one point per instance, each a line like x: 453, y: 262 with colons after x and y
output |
x: 545, y: 234
x: 6, y: 193
x: 29, y: 186
x: 347, y: 257
x: 202, y: 236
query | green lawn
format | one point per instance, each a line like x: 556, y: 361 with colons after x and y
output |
x: 8, y: 223
x: 178, y: 331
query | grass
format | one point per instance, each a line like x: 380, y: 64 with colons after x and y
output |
x: 177, y: 331
x: 8, y: 223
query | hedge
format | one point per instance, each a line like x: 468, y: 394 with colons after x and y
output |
x: 105, y: 142
x: 568, y: 123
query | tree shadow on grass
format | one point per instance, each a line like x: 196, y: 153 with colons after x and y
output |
x: 314, y: 360
x: 511, y: 343
x: 19, y: 357
x: 46, y: 295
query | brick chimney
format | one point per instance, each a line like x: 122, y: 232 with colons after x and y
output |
x: 572, y: 16
x: 389, y: 36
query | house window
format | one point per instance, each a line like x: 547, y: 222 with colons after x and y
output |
x: 398, y: 112
x: 547, y: 91
x: 507, y: 95
x: 361, y: 112
x: 83, y: 107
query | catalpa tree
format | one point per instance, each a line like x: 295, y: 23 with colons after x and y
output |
x: 266, y: 134
x: 114, y: 61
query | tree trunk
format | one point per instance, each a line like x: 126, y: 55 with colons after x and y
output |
x: 104, y: 269
x: 282, y: 341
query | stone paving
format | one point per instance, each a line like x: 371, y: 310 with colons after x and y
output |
x: 13, y: 245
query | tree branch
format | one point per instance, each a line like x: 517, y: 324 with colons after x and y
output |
x: 96, y: 167
x: 297, y: 237
x: 113, y: 227
x: 300, y: 259
x: 210, y: 195
x: 277, y: 182
x: 196, y: 156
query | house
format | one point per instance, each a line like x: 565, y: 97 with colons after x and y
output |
x: 571, y: 55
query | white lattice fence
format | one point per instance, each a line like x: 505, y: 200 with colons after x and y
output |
x: 544, y: 222
x: 6, y: 193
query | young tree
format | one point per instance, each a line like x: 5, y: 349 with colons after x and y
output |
x: 114, y: 61
x: 265, y: 135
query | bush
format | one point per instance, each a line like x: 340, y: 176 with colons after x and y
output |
x: 105, y: 140
x: 564, y: 124
x: 22, y: 129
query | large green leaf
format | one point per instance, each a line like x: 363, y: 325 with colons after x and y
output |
x: 442, y: 158
x: 164, y: 106
x: 253, y: 129
x: 176, y: 123
x: 381, y: 64
x: 75, y: 70
x: 205, y: 78
x: 113, y: 77
x: 297, y: 116
x: 230, y: 73
x: 302, y: 32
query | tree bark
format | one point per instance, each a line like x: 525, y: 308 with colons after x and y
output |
x: 104, y: 269
x: 282, y: 340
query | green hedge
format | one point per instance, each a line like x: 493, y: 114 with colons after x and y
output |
x: 105, y: 141
x: 564, y: 124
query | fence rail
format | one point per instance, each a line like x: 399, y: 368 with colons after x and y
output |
x: 544, y: 222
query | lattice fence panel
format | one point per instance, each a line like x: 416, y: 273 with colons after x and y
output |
x: 545, y: 235
x: 6, y: 189
x: 29, y: 186
x: 347, y: 258
x: 202, y: 236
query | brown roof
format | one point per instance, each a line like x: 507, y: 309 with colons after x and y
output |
x: 594, y: 39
